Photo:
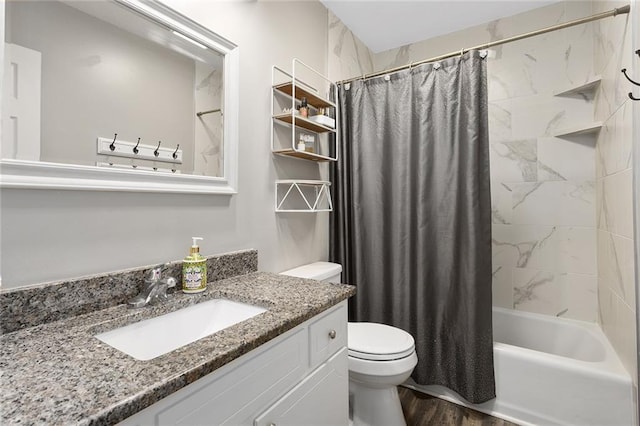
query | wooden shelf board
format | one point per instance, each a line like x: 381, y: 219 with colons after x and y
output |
x: 312, y: 98
x: 580, y: 130
x: 289, y: 152
x: 587, y: 87
x: 303, y: 123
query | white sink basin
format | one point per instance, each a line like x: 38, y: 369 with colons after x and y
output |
x: 157, y: 336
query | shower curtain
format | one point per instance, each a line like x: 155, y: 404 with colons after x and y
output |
x: 411, y: 223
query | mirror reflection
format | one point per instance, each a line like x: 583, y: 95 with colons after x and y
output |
x: 93, y: 83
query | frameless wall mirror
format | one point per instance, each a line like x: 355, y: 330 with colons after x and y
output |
x: 117, y: 95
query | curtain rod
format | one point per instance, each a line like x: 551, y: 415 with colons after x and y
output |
x: 614, y: 12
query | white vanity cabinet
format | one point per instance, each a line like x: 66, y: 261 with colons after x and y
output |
x: 299, y: 377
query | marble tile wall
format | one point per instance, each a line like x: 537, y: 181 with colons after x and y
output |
x: 543, y: 186
x: 613, y: 51
x: 348, y: 56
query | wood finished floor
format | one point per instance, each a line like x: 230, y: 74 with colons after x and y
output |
x: 422, y: 410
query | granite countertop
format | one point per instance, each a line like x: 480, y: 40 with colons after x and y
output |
x: 59, y: 373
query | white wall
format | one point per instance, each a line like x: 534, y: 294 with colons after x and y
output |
x: 48, y: 235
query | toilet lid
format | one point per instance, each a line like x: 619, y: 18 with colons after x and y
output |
x: 378, y: 342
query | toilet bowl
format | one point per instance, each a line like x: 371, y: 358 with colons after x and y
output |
x: 380, y: 358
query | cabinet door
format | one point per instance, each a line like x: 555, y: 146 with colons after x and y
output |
x: 236, y: 393
x: 322, y: 399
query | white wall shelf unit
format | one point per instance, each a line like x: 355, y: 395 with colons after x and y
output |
x: 285, y: 101
x: 310, y: 135
x: 584, y: 129
x: 309, y: 196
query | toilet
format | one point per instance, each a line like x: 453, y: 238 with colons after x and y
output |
x: 380, y: 358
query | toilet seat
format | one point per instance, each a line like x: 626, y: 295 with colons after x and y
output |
x: 378, y: 342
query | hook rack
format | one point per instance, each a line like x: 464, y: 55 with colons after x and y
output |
x: 139, y: 151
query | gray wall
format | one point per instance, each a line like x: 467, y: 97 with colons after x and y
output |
x: 48, y: 235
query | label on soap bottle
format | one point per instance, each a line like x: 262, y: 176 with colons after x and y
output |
x: 194, y: 276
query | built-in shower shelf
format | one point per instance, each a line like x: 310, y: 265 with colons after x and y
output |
x: 587, y: 88
x: 303, y: 196
x: 584, y: 129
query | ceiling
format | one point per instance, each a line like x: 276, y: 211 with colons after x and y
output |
x: 388, y: 24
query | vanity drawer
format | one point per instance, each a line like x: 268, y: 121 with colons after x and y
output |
x: 328, y: 334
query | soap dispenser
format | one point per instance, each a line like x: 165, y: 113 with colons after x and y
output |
x: 194, y: 270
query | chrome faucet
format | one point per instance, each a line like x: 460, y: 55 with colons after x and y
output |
x: 155, y: 287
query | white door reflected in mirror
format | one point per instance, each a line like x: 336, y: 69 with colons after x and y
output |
x: 161, y: 89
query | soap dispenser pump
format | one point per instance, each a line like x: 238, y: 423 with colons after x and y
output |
x: 194, y: 270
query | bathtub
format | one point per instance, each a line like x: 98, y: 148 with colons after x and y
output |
x: 552, y: 371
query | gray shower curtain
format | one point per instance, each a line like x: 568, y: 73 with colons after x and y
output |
x: 411, y: 223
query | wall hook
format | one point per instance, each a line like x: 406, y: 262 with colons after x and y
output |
x: 135, y: 148
x: 624, y: 71
x: 112, y: 147
x: 633, y: 98
x: 638, y: 52
x: 175, y: 153
x: 157, y: 151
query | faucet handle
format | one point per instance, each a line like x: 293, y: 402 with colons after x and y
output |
x: 155, y: 273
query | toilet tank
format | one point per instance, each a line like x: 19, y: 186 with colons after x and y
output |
x: 321, y: 271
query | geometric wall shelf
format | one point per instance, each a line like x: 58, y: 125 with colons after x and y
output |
x: 303, y: 196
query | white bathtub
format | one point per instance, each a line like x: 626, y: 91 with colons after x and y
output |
x: 552, y: 371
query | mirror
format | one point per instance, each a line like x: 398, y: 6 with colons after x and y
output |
x: 117, y: 95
